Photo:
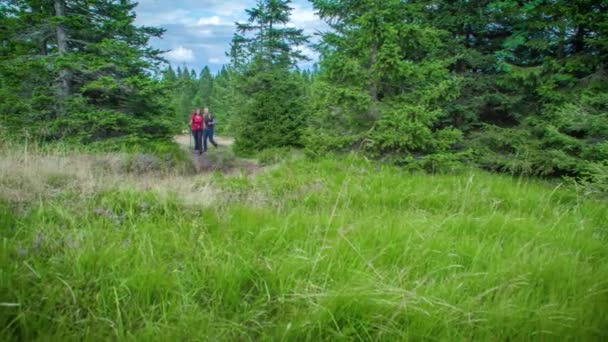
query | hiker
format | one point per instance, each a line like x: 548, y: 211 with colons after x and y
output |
x: 209, y: 120
x: 197, y: 123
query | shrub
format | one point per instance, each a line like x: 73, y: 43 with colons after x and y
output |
x: 595, y: 178
x: 319, y: 143
x: 408, y: 129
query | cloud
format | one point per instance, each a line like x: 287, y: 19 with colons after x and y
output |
x: 226, y: 8
x: 305, y: 18
x: 303, y: 15
x: 205, y: 33
x: 212, y: 21
x: 199, y: 31
x: 308, y: 52
x: 177, y: 16
x: 181, y: 54
x: 218, y: 60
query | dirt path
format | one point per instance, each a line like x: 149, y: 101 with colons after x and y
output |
x: 185, y: 140
x: 217, y: 159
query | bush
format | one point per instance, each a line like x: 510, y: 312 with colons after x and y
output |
x: 436, y: 163
x: 443, y: 162
x: 319, y: 143
x: 409, y: 129
x: 274, y: 115
x: 595, y: 178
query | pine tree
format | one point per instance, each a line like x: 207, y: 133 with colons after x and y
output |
x: 84, y: 67
x: 383, y: 80
x: 186, y: 75
x: 522, y: 65
x: 273, y: 114
x: 205, y: 86
x: 271, y: 41
x: 169, y: 75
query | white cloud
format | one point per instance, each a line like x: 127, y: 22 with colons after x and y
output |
x: 199, y: 31
x: 303, y: 15
x: 308, y: 52
x: 181, y: 54
x: 305, y: 18
x: 224, y: 7
x: 205, y: 33
x: 210, y: 21
x: 177, y: 16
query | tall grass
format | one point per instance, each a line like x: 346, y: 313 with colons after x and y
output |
x: 325, y: 250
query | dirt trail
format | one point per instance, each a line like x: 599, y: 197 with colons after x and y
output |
x: 216, y: 159
x: 185, y: 140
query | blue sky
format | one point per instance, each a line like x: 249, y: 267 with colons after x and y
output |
x: 199, y: 31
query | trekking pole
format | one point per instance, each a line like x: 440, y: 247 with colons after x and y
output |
x: 190, y: 140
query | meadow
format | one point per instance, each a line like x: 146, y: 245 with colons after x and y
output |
x: 329, y: 249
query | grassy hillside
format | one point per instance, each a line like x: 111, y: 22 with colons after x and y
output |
x: 323, y: 250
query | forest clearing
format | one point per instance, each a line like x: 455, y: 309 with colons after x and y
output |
x: 297, y: 170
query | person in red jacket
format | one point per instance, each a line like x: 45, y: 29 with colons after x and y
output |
x: 196, y: 124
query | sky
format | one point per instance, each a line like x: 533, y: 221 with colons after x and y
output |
x: 199, y: 31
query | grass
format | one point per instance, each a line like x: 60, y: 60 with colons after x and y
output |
x: 325, y: 250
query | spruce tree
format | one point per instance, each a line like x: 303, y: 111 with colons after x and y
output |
x: 382, y: 82
x: 273, y: 114
x: 205, y: 83
x: 81, y: 70
x: 532, y: 79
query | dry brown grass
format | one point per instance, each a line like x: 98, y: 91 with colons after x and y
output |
x: 28, y: 174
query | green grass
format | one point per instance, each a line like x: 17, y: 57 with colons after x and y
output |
x: 325, y: 250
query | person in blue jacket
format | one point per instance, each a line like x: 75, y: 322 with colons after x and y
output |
x: 208, y: 131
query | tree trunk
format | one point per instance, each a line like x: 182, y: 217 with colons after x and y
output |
x: 43, y: 49
x: 44, y: 41
x: 579, y: 40
x: 373, y: 83
x: 62, y: 44
x: 269, y: 42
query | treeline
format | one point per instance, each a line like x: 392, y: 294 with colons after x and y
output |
x: 518, y: 87
x: 511, y: 86
x: 189, y: 90
x: 515, y: 86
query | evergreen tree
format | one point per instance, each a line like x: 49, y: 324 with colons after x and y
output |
x: 205, y: 86
x: 383, y: 80
x: 273, y: 114
x: 169, y: 75
x: 79, y: 69
x: 229, y: 100
x: 186, y: 75
x: 524, y: 80
x: 522, y: 65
